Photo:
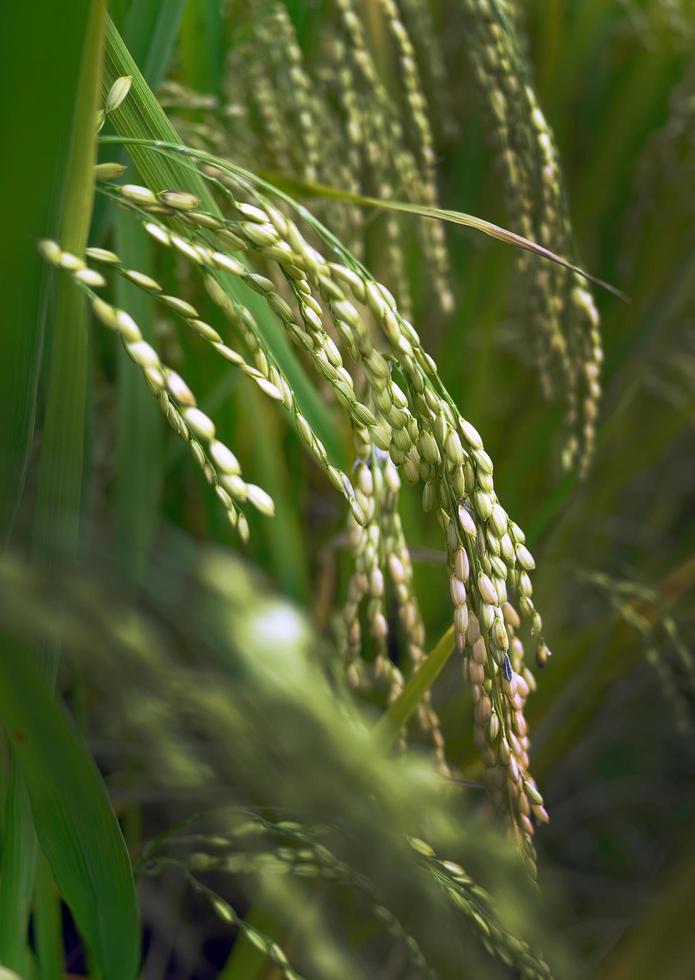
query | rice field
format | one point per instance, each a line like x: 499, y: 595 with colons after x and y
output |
x: 346, y: 490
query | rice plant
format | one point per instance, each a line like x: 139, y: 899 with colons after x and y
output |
x: 277, y: 692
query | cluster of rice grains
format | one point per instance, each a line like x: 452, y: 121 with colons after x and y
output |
x: 339, y: 112
x: 334, y: 116
x: 404, y: 420
x: 565, y: 338
x: 380, y: 554
x: 217, y: 461
x: 289, y: 848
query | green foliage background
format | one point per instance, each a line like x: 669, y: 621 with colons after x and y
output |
x: 89, y: 471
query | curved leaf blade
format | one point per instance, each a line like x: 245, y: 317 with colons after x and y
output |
x: 396, y: 716
x: 482, y: 225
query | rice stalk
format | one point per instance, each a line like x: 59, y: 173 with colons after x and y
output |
x: 566, y: 337
x: 420, y: 428
x: 424, y: 141
x: 57, y: 511
x: 266, y: 258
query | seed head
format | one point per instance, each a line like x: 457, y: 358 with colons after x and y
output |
x: 179, y: 390
x: 483, y: 504
x: 223, y: 458
x: 109, y: 171
x: 51, y: 251
x: 487, y: 589
x: 498, y: 519
x: 499, y: 634
x: 179, y: 200
x: 525, y: 558
x: 108, y: 315
x: 199, y: 423
x: 117, y: 93
x: 124, y: 323
x: 90, y: 277
x: 181, y: 306
x: 157, y: 232
x: 454, y: 449
x: 70, y: 262
x: 461, y: 564
x: 102, y: 255
x: 466, y: 521
x: 471, y: 434
x: 144, y: 355
x: 138, y: 194
x: 261, y: 500
x: 458, y: 591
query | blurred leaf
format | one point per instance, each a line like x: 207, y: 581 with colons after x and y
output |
x: 62, y: 447
x: 660, y: 945
x: 202, y: 46
x: 48, y: 923
x: 75, y: 825
x: 439, y: 214
x: 150, y: 30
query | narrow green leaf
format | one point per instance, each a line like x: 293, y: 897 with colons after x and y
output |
x: 397, y: 715
x: 283, y: 536
x: 75, y: 824
x: 16, y: 872
x: 47, y: 923
x: 62, y: 449
x: 202, y: 46
x: 150, y: 30
x: 488, y: 228
x: 139, y: 436
x: 61, y: 463
x: 31, y: 179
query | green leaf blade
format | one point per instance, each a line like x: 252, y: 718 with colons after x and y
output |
x: 75, y: 824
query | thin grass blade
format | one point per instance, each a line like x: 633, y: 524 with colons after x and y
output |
x: 441, y: 214
x: 397, y: 715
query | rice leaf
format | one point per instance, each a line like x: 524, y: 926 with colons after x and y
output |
x: 150, y: 30
x: 31, y: 178
x: 74, y: 821
x: 441, y: 214
x: 397, y: 715
x: 60, y: 473
x: 48, y: 923
x: 202, y: 46
x: 139, y: 437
